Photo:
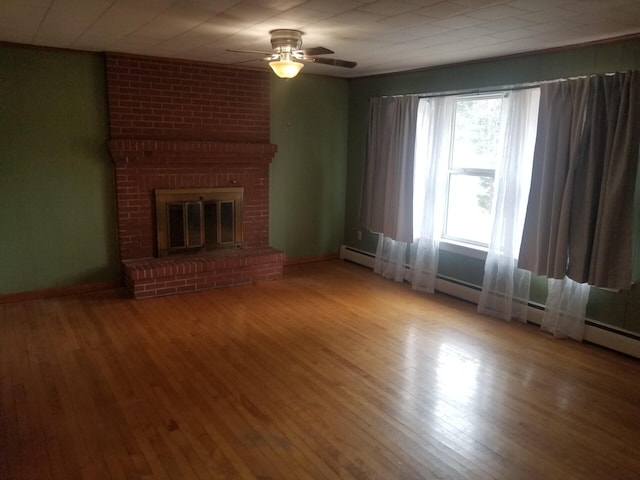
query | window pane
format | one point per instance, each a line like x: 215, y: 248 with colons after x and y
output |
x: 469, y: 214
x: 477, y: 136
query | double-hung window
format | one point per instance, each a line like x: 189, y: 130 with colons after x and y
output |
x: 476, y: 149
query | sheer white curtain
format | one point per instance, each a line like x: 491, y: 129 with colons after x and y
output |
x: 566, y: 308
x: 391, y: 258
x: 433, y: 149
x: 505, y: 287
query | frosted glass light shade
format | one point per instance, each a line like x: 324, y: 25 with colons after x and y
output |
x: 286, y: 69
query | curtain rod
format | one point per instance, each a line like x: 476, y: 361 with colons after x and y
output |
x: 498, y: 88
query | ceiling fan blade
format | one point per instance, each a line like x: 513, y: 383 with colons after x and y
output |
x: 250, y: 51
x: 315, y: 51
x: 335, y: 62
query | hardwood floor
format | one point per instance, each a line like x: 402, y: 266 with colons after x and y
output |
x: 330, y: 373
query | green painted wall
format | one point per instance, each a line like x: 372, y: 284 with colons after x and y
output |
x: 56, y: 178
x: 619, y: 309
x: 309, y: 117
x: 57, y: 205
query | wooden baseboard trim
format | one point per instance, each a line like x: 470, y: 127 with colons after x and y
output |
x: 319, y: 258
x: 59, y: 291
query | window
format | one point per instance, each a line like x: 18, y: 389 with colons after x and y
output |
x: 474, y: 154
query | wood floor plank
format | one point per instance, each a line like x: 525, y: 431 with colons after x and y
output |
x: 330, y: 373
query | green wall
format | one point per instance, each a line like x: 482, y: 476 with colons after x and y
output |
x: 619, y: 309
x: 57, y: 215
x: 309, y: 117
x: 57, y: 209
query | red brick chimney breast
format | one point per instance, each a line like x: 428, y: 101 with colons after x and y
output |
x: 183, y: 124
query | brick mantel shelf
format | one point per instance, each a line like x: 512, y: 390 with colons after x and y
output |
x: 188, y: 151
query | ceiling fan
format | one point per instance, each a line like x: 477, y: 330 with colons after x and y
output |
x: 285, y: 59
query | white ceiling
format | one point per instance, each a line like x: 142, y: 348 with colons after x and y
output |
x: 381, y: 35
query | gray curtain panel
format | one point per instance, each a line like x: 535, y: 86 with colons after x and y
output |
x: 579, y: 219
x: 387, y: 195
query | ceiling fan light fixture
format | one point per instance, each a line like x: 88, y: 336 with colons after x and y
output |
x: 286, y: 68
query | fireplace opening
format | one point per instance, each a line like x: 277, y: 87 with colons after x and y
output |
x: 195, y: 220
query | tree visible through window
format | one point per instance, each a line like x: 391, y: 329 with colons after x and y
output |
x: 475, y: 153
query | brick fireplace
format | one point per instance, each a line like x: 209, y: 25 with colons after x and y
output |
x: 187, y: 125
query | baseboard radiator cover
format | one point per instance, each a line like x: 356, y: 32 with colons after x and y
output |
x: 595, y: 332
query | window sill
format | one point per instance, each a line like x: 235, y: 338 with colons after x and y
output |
x: 465, y: 249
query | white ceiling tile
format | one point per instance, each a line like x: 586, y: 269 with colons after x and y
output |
x: 443, y: 10
x: 507, y: 24
x: 628, y: 15
x: 558, y: 26
x: 412, y: 33
x: 213, y: 8
x: 472, y: 42
x: 406, y: 20
x: 123, y: 18
x: 537, y: 5
x: 424, y: 3
x: 459, y: 21
x: 496, y: 12
x: 593, y: 6
x: 75, y: 15
x: 435, y: 40
x: 171, y: 23
x: 356, y: 18
x: 388, y: 7
x: 547, y: 15
x: 19, y: 20
x: 247, y: 14
x: 473, y: 32
x: 260, y: 31
x: 305, y: 14
x: 479, y: 3
x: 278, y: 5
x: 559, y: 37
x: 529, y: 44
x: 333, y: 6
x: 603, y: 29
x: 514, y: 34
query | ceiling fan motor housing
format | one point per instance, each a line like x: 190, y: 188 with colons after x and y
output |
x: 283, y: 40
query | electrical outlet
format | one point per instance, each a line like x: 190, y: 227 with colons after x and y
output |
x: 359, y: 235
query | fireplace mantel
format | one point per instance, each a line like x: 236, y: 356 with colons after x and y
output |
x: 141, y: 151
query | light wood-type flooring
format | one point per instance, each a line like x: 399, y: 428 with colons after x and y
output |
x: 329, y: 373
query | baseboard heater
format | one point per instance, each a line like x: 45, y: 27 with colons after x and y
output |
x: 595, y: 332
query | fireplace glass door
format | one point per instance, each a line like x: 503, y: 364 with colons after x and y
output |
x: 199, y: 219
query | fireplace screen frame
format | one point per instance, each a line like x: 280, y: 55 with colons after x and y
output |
x: 166, y: 198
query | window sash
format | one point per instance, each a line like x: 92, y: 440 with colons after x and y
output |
x: 445, y: 231
x: 470, y: 171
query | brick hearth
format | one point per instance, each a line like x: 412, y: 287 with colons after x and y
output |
x: 179, y: 124
x: 170, y: 275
